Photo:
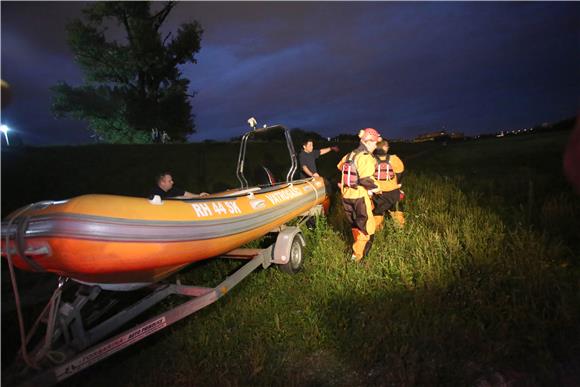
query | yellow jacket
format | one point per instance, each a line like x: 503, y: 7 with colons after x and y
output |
x: 398, y: 167
x: 365, y: 165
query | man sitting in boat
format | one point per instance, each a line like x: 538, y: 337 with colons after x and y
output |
x: 166, y: 190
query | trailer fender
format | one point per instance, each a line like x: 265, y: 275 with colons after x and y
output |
x: 283, y: 246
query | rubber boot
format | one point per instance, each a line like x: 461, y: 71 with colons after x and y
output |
x: 358, y: 247
x: 398, y: 217
x: 378, y: 222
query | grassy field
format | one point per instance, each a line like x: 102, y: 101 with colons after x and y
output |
x: 481, y: 286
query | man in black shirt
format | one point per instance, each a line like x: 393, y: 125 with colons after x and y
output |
x: 308, y: 156
x: 165, y: 189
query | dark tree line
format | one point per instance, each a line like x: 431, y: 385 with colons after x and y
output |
x: 298, y: 136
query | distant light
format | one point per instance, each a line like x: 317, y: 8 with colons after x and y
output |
x: 4, y: 129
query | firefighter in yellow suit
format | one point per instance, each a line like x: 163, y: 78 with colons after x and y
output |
x: 389, y: 172
x: 357, y: 185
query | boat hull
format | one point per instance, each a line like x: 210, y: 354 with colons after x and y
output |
x: 109, y: 239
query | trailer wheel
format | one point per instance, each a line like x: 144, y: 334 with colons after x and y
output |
x: 295, y: 260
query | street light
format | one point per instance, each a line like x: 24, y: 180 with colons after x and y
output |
x: 4, y: 129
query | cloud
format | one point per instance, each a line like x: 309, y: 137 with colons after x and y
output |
x: 334, y: 67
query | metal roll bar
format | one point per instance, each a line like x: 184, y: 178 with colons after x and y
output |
x: 242, y: 154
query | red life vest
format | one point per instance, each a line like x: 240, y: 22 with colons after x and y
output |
x: 349, y: 173
x: 384, y: 171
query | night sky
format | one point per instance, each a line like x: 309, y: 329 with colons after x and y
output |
x: 405, y: 68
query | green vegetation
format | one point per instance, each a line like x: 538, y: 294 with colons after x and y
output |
x: 483, y: 281
x: 131, y: 88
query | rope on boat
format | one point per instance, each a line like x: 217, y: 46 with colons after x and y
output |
x: 314, y: 188
x: 51, y: 307
x: 24, y: 338
x: 21, y: 245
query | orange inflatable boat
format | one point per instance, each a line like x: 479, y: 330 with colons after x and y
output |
x: 114, y: 239
x: 118, y: 243
x: 108, y: 239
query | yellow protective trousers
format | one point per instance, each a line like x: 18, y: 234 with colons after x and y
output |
x: 360, y: 243
x: 379, y: 222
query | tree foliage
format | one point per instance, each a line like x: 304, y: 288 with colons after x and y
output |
x: 133, y: 83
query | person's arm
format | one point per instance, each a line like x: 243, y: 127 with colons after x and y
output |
x: 341, y: 162
x: 189, y: 195
x: 398, y: 168
x: 324, y: 151
x: 308, y: 172
x: 369, y: 183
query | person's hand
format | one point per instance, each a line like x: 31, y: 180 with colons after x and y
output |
x: 335, y: 148
x: 315, y: 175
x: 203, y: 194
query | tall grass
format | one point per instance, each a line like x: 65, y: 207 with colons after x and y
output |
x: 470, y: 288
x: 483, y: 280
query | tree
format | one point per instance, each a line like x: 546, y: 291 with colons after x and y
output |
x: 132, y: 88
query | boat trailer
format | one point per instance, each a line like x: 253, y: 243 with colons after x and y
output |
x: 67, y: 347
x: 70, y: 336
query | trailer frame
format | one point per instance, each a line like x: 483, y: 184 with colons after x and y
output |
x: 83, y: 348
